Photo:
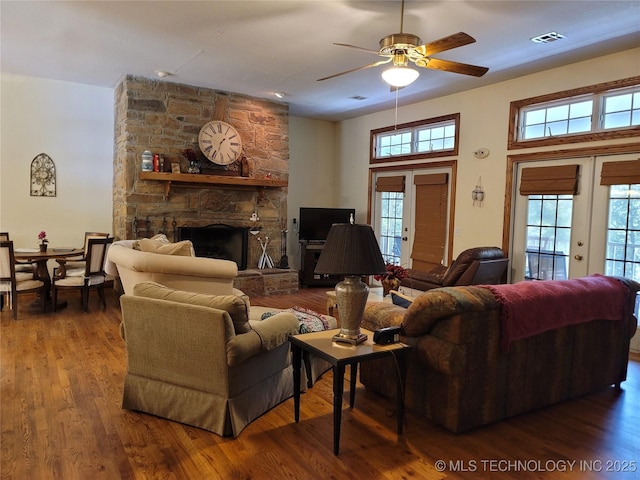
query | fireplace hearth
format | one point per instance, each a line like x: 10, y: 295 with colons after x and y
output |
x: 220, y: 241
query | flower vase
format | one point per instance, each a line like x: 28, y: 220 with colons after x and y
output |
x: 389, y: 284
x: 43, y: 247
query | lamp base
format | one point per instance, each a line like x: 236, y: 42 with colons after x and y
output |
x: 350, y: 339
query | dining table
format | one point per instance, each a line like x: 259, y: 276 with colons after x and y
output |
x: 40, y: 259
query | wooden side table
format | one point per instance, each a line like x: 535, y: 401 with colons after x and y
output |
x: 332, y: 303
x: 340, y: 355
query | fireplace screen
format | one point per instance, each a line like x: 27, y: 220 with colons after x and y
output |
x: 219, y: 241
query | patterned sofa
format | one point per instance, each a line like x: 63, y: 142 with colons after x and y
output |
x: 475, y: 360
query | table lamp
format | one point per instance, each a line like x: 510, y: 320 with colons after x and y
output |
x: 351, y: 250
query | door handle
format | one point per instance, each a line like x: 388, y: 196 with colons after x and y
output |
x: 578, y: 257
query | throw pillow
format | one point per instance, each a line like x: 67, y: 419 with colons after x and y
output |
x: 400, y: 299
x: 236, y: 306
x: 183, y: 248
x: 160, y: 237
x: 309, y: 321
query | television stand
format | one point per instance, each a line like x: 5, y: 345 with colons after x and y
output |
x: 310, y: 252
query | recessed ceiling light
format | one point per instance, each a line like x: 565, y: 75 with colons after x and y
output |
x: 279, y: 94
x: 162, y: 73
x: 548, y: 37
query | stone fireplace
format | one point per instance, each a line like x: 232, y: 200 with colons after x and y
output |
x: 166, y: 118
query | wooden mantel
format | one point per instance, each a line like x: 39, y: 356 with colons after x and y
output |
x: 220, y: 180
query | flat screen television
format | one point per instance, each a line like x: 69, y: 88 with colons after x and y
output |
x: 315, y: 223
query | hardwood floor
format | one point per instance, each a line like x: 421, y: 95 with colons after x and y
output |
x: 61, y: 385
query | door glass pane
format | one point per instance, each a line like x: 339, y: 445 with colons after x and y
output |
x: 548, y: 237
x: 623, y: 232
x: 391, y: 226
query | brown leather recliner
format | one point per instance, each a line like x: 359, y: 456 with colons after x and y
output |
x: 475, y: 266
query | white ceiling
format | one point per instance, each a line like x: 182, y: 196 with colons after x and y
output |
x: 260, y: 47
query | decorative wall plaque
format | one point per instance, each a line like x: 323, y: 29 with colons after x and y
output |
x: 43, y: 176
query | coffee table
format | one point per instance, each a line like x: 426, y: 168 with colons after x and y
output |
x: 339, y: 355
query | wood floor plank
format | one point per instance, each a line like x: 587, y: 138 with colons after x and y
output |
x: 61, y: 378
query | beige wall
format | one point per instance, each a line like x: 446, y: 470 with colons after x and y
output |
x: 73, y: 124
x: 312, y: 173
x: 483, y: 123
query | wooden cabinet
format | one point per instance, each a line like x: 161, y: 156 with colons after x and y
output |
x: 310, y: 254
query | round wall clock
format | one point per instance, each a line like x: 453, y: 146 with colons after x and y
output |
x: 220, y: 142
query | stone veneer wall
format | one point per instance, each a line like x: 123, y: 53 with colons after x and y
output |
x: 165, y: 118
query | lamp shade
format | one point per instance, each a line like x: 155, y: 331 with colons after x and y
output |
x: 400, y: 76
x: 350, y: 250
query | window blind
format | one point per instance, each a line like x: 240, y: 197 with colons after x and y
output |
x: 620, y: 173
x: 431, y: 221
x: 390, y: 184
x: 560, y: 180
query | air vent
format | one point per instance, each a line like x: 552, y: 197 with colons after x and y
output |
x: 358, y: 97
x: 548, y: 37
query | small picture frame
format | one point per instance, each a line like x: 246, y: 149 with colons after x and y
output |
x: 175, y: 168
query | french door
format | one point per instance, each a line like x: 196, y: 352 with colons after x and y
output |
x: 410, y: 193
x: 597, y: 230
x: 551, y: 230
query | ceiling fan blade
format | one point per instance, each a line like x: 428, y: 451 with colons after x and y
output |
x: 455, y: 67
x: 447, y: 43
x: 368, y: 50
x: 374, y: 64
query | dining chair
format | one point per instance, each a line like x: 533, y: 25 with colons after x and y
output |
x: 80, y: 262
x: 92, y: 275
x: 20, y: 266
x: 13, y: 284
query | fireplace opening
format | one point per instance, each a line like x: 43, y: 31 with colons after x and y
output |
x: 220, y: 241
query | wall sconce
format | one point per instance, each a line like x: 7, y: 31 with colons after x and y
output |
x: 478, y: 193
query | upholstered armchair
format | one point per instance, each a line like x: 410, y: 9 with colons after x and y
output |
x: 198, y: 360
x: 475, y: 266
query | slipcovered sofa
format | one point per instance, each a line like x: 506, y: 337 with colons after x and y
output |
x: 179, y: 271
x: 212, y: 361
x: 485, y: 353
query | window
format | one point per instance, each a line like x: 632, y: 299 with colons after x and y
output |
x: 436, y: 137
x: 621, y: 109
x: 623, y: 232
x: 391, y: 226
x: 553, y: 120
x: 548, y: 236
x: 599, y: 112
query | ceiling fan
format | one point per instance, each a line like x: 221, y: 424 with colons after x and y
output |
x: 400, y: 48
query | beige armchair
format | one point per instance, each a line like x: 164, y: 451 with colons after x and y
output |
x: 192, y: 274
x: 197, y: 359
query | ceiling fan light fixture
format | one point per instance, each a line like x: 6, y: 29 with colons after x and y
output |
x: 399, y: 76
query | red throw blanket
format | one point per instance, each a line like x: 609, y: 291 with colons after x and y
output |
x: 533, y: 307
